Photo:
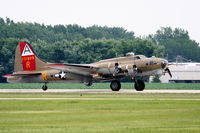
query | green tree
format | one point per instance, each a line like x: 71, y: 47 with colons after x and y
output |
x: 177, y: 43
x: 7, y: 52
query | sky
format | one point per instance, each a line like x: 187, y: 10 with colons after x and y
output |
x: 143, y: 17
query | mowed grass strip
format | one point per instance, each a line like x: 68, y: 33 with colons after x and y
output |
x: 149, y: 86
x: 101, y: 116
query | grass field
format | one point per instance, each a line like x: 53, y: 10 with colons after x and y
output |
x: 154, y: 86
x: 99, y: 113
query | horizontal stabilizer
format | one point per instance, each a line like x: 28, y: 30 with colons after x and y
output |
x: 22, y: 75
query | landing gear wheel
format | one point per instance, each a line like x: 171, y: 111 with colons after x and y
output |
x: 88, y: 83
x: 139, y: 85
x: 115, y: 85
x: 44, y: 87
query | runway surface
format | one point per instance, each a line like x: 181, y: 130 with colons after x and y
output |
x: 93, y: 91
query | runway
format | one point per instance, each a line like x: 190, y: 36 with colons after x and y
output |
x: 93, y: 91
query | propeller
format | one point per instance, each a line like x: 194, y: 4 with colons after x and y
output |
x: 164, y: 64
x: 168, y: 71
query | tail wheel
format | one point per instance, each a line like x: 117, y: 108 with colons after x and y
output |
x: 88, y: 83
x: 44, y: 87
x: 139, y: 85
x: 115, y: 85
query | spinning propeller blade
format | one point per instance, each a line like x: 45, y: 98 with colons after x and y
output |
x: 168, y: 71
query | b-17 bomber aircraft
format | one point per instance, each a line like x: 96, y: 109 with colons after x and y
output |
x: 28, y: 68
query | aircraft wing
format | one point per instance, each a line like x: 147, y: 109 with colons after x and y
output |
x: 80, y: 69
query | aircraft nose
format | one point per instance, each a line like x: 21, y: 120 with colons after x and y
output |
x: 164, y: 64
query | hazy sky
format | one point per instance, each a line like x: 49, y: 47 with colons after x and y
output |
x: 140, y: 16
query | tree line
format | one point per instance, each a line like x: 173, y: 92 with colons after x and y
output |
x: 76, y: 44
x: 177, y: 43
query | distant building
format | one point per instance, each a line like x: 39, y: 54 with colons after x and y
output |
x: 183, y: 73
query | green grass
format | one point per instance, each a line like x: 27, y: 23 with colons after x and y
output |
x: 102, y: 113
x: 179, y: 86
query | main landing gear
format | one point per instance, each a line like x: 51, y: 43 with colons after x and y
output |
x: 44, y: 87
x: 115, y: 85
x: 139, y: 85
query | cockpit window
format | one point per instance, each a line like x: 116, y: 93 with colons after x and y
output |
x: 135, y: 58
x: 142, y: 56
x: 138, y: 57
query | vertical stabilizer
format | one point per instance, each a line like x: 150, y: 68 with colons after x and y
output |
x: 26, y: 59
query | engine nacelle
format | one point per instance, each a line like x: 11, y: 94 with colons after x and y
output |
x: 130, y: 69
